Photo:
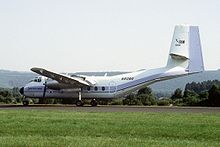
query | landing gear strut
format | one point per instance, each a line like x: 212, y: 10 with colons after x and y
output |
x: 26, y: 102
x: 79, y: 102
x: 93, y: 102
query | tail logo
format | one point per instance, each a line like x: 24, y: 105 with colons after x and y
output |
x: 179, y: 42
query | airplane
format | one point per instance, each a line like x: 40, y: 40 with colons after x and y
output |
x: 185, y: 58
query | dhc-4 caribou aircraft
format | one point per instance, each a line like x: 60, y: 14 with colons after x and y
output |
x: 185, y: 58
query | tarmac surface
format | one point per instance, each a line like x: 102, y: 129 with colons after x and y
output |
x: 112, y: 108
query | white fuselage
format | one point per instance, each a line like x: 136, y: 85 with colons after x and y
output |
x: 106, y: 86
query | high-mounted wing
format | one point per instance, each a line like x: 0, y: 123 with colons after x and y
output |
x: 75, y: 81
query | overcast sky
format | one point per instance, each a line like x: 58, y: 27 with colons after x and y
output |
x: 101, y: 35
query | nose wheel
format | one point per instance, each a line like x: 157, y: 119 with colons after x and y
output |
x: 26, y: 102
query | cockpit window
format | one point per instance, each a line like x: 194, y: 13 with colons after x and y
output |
x: 39, y: 79
x: 36, y: 79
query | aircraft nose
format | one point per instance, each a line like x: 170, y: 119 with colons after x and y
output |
x: 22, y: 90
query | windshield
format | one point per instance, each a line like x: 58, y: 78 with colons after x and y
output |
x: 36, y: 79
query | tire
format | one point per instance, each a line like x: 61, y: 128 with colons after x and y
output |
x: 79, y: 103
x: 25, y: 103
x: 93, y: 103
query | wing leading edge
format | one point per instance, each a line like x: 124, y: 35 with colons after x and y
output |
x: 75, y: 81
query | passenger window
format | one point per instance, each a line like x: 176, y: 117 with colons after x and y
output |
x: 103, y: 88
x: 96, y: 88
x: 88, y: 88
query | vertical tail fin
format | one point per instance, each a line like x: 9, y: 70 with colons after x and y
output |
x: 185, y: 50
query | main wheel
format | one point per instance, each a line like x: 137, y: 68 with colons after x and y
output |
x: 93, y: 103
x: 79, y: 103
x: 25, y: 102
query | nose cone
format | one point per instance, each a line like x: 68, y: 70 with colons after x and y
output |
x: 22, y: 90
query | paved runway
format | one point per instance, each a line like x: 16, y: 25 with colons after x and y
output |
x: 113, y: 108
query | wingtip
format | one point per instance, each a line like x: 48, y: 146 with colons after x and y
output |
x: 34, y: 68
x: 37, y: 70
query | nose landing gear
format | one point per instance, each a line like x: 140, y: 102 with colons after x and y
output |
x: 26, y: 102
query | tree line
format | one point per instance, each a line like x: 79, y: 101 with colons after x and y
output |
x: 206, y: 93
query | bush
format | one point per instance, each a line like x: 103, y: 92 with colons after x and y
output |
x: 214, y: 96
x: 177, y: 94
x: 164, y: 102
x: 10, y: 95
x: 145, y: 90
x: 131, y: 100
x: 103, y: 102
x: 146, y: 99
x: 178, y: 102
x: 116, y: 102
x: 9, y: 100
x: 2, y: 99
x: 191, y: 101
x: 143, y: 97
x: 18, y: 99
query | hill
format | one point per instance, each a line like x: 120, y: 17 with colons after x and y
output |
x: 9, y: 79
x: 170, y: 85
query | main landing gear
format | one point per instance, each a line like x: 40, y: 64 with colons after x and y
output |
x: 93, y: 103
x: 79, y: 102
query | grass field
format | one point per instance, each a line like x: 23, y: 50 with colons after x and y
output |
x: 69, y: 128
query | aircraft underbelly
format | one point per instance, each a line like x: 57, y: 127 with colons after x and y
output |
x: 57, y: 94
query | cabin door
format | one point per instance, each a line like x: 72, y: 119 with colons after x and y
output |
x: 112, y: 87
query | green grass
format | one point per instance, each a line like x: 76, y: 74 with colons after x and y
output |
x: 68, y: 128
